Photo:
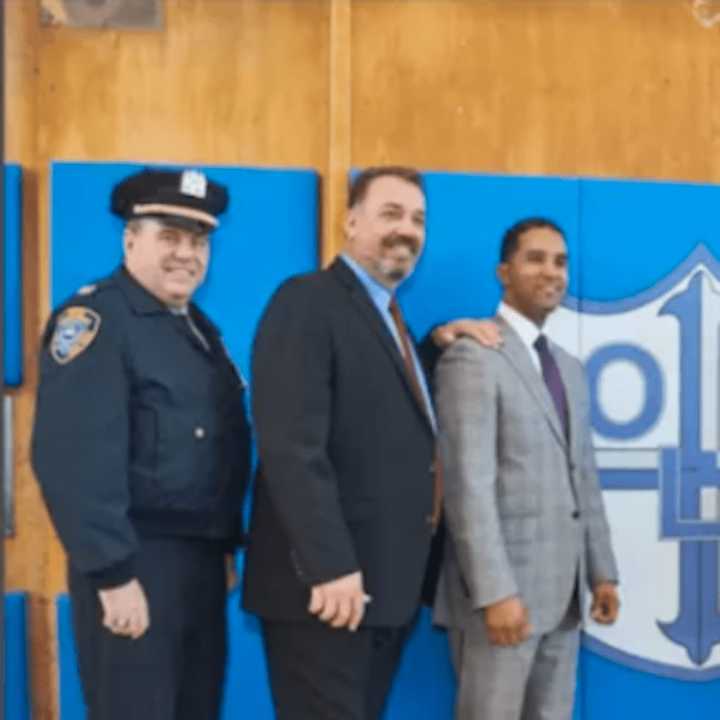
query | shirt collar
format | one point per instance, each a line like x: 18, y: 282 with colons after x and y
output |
x: 379, y: 294
x: 528, y: 331
x: 142, y: 300
x: 183, y: 311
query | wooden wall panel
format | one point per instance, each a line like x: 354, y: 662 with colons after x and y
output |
x: 340, y: 124
x: 30, y: 552
x: 598, y: 87
x: 227, y: 81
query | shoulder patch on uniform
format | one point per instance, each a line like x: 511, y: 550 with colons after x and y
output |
x: 87, y: 290
x: 75, y: 329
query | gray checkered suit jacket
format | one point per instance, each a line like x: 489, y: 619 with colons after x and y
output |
x: 523, y: 506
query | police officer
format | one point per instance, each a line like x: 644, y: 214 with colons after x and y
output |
x: 141, y: 447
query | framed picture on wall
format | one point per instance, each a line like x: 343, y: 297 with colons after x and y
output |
x: 102, y: 13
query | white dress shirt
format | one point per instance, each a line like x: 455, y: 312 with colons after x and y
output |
x: 528, y: 331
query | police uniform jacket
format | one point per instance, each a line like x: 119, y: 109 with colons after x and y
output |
x: 139, y: 429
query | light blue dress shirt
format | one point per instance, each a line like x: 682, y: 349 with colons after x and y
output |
x: 381, y: 297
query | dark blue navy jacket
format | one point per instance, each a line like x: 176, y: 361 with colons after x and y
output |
x: 143, y: 432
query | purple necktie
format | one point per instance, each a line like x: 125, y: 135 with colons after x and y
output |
x: 553, y: 380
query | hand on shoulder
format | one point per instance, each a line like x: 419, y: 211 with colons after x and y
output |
x: 485, y: 332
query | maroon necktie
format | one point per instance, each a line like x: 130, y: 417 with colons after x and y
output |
x: 411, y: 372
x: 553, y: 380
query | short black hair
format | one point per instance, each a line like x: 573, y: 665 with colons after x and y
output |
x: 361, y: 182
x: 511, y: 238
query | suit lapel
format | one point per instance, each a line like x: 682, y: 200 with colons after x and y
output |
x: 517, y: 355
x: 362, y: 303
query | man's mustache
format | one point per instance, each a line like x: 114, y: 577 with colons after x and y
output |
x: 392, y: 241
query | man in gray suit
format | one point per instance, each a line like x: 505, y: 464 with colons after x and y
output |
x: 527, y: 527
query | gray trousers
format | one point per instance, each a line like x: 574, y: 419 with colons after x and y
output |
x: 531, y: 681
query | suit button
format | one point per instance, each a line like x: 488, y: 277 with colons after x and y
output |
x: 575, y: 514
x: 431, y: 468
x: 199, y: 432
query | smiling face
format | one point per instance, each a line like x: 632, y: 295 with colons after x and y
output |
x: 169, y: 262
x: 385, y: 230
x: 535, y: 276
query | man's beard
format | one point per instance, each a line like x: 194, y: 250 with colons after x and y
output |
x: 396, y: 274
x: 389, y: 268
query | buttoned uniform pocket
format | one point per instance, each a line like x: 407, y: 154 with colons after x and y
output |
x: 189, y: 449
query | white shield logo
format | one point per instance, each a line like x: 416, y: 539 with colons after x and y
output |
x: 652, y: 363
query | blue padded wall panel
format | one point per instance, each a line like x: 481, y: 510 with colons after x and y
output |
x: 425, y: 683
x: 268, y: 233
x: 617, y: 692
x: 635, y: 233
x: 247, y: 692
x: 17, y: 681
x: 12, y: 300
x: 71, y: 702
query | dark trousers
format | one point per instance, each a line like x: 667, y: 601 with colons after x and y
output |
x: 318, y: 673
x: 176, y: 670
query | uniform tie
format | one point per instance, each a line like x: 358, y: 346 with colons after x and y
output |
x: 553, y: 380
x: 195, y: 330
x: 184, y: 313
x: 411, y: 372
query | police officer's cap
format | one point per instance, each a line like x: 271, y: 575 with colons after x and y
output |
x: 185, y: 198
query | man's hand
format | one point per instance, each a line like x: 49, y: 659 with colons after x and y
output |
x: 340, y: 603
x: 125, y: 609
x: 486, y: 332
x: 605, y: 604
x: 507, y: 622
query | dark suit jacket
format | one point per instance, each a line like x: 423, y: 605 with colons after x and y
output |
x: 345, y: 478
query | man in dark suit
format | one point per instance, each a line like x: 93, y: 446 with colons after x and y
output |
x: 347, y: 496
